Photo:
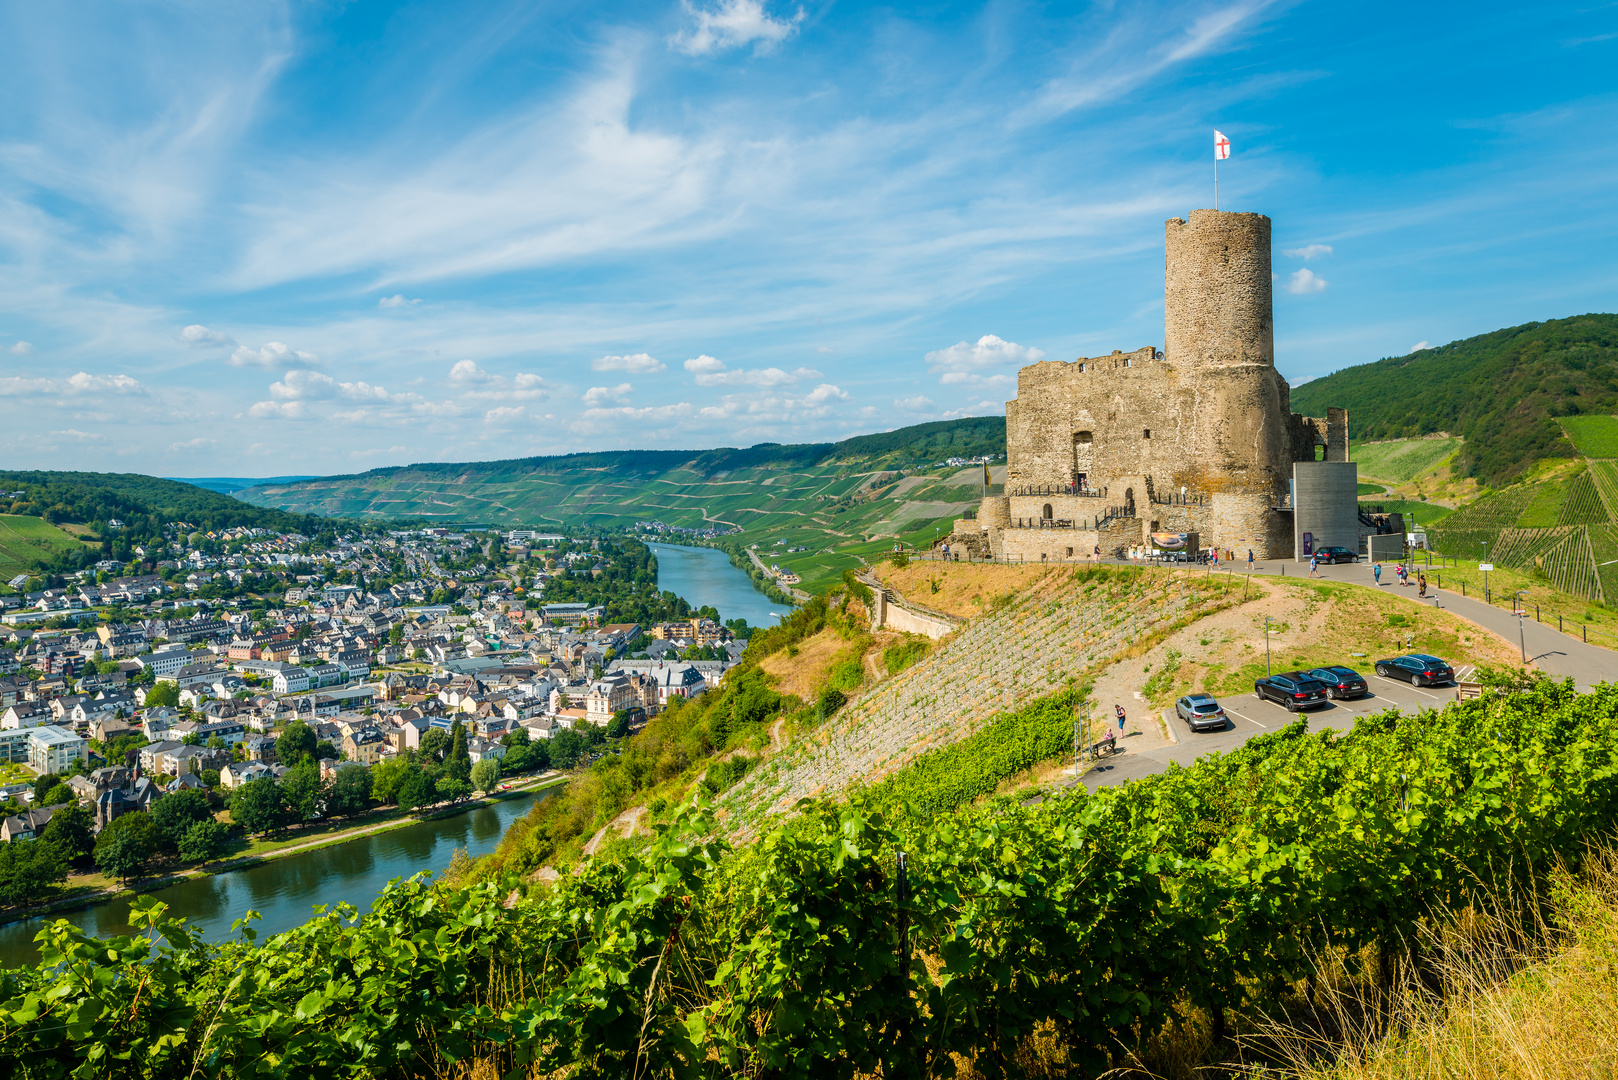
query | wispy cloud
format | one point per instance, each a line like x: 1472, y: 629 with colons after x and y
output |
x: 1308, y: 252
x: 197, y: 334
x: 396, y: 300
x: 21, y: 348
x: 731, y: 25
x: 1418, y: 346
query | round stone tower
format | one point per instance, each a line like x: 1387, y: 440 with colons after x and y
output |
x: 1216, y: 302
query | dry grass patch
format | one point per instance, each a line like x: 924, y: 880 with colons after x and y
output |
x: 801, y: 669
x: 960, y: 589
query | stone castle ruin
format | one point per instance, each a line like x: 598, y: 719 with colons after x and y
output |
x: 1198, y: 438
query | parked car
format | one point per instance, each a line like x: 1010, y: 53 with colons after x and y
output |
x: 1335, y: 555
x: 1293, y: 689
x: 1417, y: 669
x: 1202, y: 712
x: 1341, y: 682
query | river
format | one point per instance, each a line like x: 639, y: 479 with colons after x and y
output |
x: 705, y: 576
x: 284, y: 890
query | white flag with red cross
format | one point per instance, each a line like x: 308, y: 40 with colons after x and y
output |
x: 1221, y: 146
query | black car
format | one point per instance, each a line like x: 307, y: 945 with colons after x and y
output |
x: 1417, y: 669
x: 1341, y: 682
x: 1335, y: 555
x: 1293, y: 689
x: 1202, y: 712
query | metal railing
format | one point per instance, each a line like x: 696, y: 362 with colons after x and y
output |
x: 1179, y: 499
x: 1057, y: 490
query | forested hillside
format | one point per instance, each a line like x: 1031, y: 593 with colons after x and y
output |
x: 1501, y: 391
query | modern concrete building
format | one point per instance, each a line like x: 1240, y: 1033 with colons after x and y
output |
x: 54, y: 750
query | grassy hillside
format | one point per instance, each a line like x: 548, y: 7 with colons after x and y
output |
x: 838, y: 500
x: 27, y: 541
x: 1400, y: 461
x: 1502, y: 392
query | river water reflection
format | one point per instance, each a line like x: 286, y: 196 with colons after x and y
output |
x: 285, y: 890
x: 704, y: 576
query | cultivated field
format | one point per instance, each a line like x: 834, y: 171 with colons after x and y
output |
x: 24, y: 539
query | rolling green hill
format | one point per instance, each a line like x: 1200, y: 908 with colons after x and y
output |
x: 1503, y: 392
x: 27, y: 542
x: 839, y: 500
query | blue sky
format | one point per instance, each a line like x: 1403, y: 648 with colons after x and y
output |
x: 259, y: 239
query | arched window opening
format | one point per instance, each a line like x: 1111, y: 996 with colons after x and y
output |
x: 1047, y: 515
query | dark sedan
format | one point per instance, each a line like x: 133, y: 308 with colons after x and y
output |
x: 1335, y: 555
x: 1341, y: 682
x: 1202, y: 712
x: 1417, y: 669
x: 1293, y: 689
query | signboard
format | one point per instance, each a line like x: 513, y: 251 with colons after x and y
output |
x: 1171, y: 541
x: 1485, y: 566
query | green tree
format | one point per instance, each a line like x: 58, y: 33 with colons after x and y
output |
x: 295, y: 745
x: 163, y: 695
x: 486, y: 775
x: 434, y: 743
x: 396, y: 634
x: 59, y: 795
x: 458, y: 762
x: 173, y: 815
x: 454, y: 789
x: 28, y: 869
x: 567, y: 746
x: 303, y: 794
x: 619, y: 726
x: 389, y: 776
x: 42, y: 785
x: 418, y: 789
x: 256, y: 806
x: 350, y: 791
x: 125, y: 847
x: 517, y: 736
x: 72, y: 830
x: 205, y: 840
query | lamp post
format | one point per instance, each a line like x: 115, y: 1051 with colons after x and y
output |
x: 1485, y: 573
x: 1266, y: 646
x: 1521, y: 613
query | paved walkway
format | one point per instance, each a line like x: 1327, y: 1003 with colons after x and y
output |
x: 1549, y: 650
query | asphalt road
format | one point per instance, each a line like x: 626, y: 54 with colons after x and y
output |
x: 1548, y: 649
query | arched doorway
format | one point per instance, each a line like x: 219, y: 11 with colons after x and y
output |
x: 1046, y: 513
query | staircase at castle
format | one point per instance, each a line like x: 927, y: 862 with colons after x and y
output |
x: 1055, y: 631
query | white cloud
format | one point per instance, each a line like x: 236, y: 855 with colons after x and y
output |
x: 826, y: 392
x: 467, y: 371
x: 1418, y: 346
x: 196, y: 334
x: 1302, y: 282
x: 597, y: 396
x: 913, y: 404
x: 733, y: 24
x: 73, y: 385
x: 824, y: 350
x: 703, y: 365
x: 199, y: 443
x: 22, y: 348
x: 505, y: 414
x: 272, y: 356
x: 1308, y: 251
x: 278, y: 410
x: 315, y: 386
x: 635, y: 363
x: 396, y: 300
x: 476, y: 383
x: 75, y: 433
x: 1299, y: 382
x: 981, y: 363
x: 711, y: 372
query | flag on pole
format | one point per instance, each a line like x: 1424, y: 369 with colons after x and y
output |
x: 1221, y: 146
x: 985, y: 474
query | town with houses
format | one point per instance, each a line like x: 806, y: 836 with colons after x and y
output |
x: 132, y: 686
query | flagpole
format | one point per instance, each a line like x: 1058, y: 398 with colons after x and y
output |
x: 1216, y: 183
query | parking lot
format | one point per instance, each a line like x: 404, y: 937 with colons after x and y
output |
x: 1247, y: 716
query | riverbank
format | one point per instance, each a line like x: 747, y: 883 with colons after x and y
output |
x: 696, y: 570
x: 260, y: 852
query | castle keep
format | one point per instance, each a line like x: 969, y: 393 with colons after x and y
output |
x: 1196, y: 438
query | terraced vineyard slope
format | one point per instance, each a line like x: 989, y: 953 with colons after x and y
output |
x: 1067, y: 623
x: 838, y: 501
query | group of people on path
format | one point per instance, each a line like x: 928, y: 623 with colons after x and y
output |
x: 1402, y: 572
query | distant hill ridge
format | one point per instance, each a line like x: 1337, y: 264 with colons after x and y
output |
x: 1502, y: 392
x: 971, y: 436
